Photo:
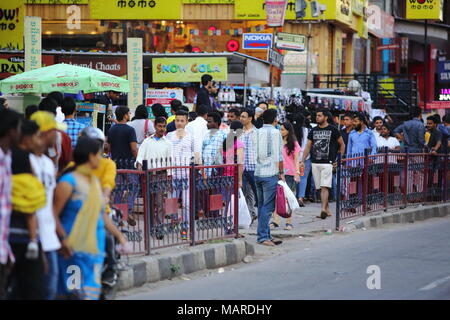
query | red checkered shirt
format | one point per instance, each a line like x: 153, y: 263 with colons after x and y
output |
x: 5, y: 205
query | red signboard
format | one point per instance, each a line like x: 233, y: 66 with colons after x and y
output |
x: 437, y: 105
x: 389, y: 47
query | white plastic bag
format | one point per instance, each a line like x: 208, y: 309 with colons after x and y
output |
x: 244, y: 214
x: 290, y: 196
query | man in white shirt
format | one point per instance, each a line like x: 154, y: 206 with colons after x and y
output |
x: 377, y: 123
x: 182, y: 154
x: 385, y: 140
x: 198, y: 129
x: 45, y: 170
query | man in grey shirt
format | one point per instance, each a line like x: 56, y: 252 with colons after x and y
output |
x: 413, y: 131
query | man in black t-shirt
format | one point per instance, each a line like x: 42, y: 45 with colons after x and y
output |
x: 324, y: 142
x: 122, y: 142
x: 435, y: 142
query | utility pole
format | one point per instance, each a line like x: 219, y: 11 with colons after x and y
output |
x: 425, y: 70
x: 309, y: 56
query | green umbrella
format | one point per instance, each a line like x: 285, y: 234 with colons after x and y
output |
x: 65, y: 78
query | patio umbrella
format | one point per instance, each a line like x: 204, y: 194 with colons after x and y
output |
x: 64, y: 78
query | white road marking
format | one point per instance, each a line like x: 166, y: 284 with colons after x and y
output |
x: 435, y: 284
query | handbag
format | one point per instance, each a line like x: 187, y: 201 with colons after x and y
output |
x: 281, y: 207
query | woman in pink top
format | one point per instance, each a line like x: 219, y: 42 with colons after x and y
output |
x: 234, y: 148
x: 291, y: 155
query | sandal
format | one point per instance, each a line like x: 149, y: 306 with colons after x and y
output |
x: 300, y: 203
x: 267, y: 243
x: 277, y: 242
x: 323, y: 215
x: 289, y: 226
x: 273, y: 225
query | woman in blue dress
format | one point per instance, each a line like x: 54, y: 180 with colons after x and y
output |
x: 79, y: 205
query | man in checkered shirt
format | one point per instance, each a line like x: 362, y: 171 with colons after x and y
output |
x: 68, y: 107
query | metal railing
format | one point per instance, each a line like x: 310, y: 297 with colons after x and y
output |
x: 395, y: 93
x: 177, y: 204
x: 372, y: 183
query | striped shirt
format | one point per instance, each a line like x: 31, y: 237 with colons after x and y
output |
x: 212, y: 147
x: 5, y: 205
x: 269, y: 151
x: 248, y: 138
x: 182, y: 149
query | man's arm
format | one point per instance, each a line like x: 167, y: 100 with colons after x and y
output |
x: 398, y: 131
x: 373, y: 143
x: 349, y: 146
x: 306, y: 152
x: 342, y: 146
x: 134, y: 149
x: 422, y: 136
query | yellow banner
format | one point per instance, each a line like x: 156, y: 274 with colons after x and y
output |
x: 340, y: 10
x: 208, y: 1
x: 135, y: 9
x: 424, y: 9
x: 11, y: 24
x: 189, y: 69
x: 67, y: 2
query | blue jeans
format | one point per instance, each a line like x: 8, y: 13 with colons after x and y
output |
x: 51, y: 278
x: 301, y: 187
x: 333, y: 193
x: 266, y: 189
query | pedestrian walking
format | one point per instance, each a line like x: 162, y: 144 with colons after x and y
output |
x: 324, y: 142
x: 212, y: 142
x: 198, y: 129
x: 141, y: 124
x: 269, y: 169
x: 68, y: 107
x: 291, y: 165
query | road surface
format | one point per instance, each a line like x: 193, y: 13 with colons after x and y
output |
x: 413, y: 260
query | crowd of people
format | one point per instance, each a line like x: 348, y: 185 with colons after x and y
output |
x: 63, y: 224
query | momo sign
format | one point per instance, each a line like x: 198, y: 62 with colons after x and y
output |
x: 256, y: 41
x: 424, y: 9
x: 188, y: 69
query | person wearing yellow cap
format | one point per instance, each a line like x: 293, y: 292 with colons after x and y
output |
x: 45, y: 169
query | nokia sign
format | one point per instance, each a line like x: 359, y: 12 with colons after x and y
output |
x: 256, y: 41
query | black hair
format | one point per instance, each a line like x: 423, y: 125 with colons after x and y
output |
x: 57, y: 96
x: 236, y: 125
x: 349, y: 115
x: 201, y: 110
x: 221, y: 113
x: 291, y: 138
x: 237, y: 112
x: 446, y: 118
x: 360, y: 116
x: 141, y: 112
x: 48, y: 104
x: 216, y: 117
x: 68, y: 106
x: 28, y: 128
x: 175, y: 105
x: 121, y: 112
x: 375, y: 119
x: 159, y: 111
x: 184, y: 108
x: 160, y: 120
x: 9, y: 119
x: 437, y: 117
x: 262, y: 102
x: 206, y: 78
x: 250, y: 113
x: 298, y: 122
x: 85, y: 147
x: 389, y: 127
x: 30, y: 109
x: 416, y: 112
x: 192, y: 116
x: 432, y: 118
x: 269, y: 116
x: 182, y: 113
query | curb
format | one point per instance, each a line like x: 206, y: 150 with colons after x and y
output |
x: 152, y: 269
x: 405, y: 216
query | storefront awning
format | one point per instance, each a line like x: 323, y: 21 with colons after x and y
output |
x: 415, y: 31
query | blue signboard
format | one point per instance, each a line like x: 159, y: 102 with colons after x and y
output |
x: 444, y: 71
x: 256, y: 41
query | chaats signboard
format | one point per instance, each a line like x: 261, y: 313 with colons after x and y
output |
x: 189, y: 69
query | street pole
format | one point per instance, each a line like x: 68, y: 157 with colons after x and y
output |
x: 309, y: 58
x: 425, y: 71
x: 274, y: 34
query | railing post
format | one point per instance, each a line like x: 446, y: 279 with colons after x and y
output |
x: 445, y: 173
x: 148, y: 208
x: 385, y: 178
x: 338, y: 191
x: 405, y: 179
x: 365, y: 181
x: 192, y: 202
x: 236, y: 190
x: 426, y: 173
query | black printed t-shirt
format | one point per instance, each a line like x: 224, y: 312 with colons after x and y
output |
x: 324, y: 144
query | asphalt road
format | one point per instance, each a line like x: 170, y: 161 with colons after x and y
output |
x: 414, y: 263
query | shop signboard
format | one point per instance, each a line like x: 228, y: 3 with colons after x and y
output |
x: 135, y: 69
x: 66, y: 2
x: 162, y: 96
x: 295, y: 63
x: 116, y: 66
x: 208, y: 1
x: 424, y: 9
x: 444, y: 71
x: 257, y: 41
x: 12, y: 24
x: 276, y: 59
x: 135, y: 10
x: 12, y: 64
x: 275, y: 12
x: 33, y: 43
x: 188, y: 69
x: 290, y: 41
x: 379, y: 22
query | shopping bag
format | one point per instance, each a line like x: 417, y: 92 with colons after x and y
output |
x: 281, y: 207
x: 290, y: 196
x: 244, y: 214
